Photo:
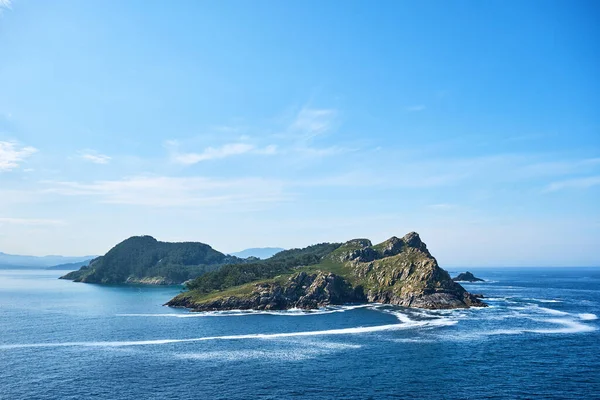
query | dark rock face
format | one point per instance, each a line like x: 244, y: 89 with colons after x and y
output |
x: 302, y: 290
x: 391, y: 247
x: 437, y: 300
x: 467, y: 277
x: 413, y: 240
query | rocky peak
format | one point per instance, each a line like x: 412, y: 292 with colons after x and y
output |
x: 358, y: 243
x: 390, y: 247
x: 413, y: 239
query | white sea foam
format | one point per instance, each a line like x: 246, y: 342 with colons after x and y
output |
x: 552, y: 311
x: 414, y: 340
x: 343, y: 331
x: 302, y: 351
x: 541, y: 300
x: 408, y: 322
x: 244, y: 355
x: 293, y: 312
x: 568, y: 326
x: 587, y: 316
x: 558, y: 326
x: 405, y: 323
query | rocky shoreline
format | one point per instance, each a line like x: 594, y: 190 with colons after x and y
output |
x: 399, y: 272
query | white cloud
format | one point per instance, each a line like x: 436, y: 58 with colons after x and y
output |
x: 308, y: 125
x: 175, y: 191
x: 30, y: 221
x: 6, y: 4
x: 269, y: 150
x: 12, y: 154
x: 416, y: 108
x: 215, y: 153
x: 576, y: 183
x: 310, y: 122
x: 92, y: 156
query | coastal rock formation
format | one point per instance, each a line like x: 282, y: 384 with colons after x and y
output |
x: 397, y: 271
x: 467, y: 277
x: 301, y: 290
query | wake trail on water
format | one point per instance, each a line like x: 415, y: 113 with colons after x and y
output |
x: 406, y: 323
x: 556, y: 322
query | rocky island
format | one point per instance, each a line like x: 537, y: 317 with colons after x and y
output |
x: 397, y: 271
x: 145, y: 260
x: 467, y: 277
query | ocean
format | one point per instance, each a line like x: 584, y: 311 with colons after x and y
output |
x: 539, y: 338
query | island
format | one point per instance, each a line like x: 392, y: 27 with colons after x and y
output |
x: 467, y: 277
x: 398, y: 271
x: 145, y: 260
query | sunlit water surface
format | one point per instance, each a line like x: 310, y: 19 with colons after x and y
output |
x: 65, y: 340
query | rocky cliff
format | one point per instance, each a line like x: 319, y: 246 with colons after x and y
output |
x: 397, y: 271
x: 301, y: 290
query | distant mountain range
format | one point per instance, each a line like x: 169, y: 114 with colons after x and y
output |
x: 258, y: 252
x: 12, y: 261
x: 70, y: 266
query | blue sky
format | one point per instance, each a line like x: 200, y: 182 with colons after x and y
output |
x: 266, y: 123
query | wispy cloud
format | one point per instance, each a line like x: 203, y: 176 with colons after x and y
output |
x: 12, y: 154
x: 5, y: 4
x: 269, y: 150
x: 562, y: 167
x: 471, y: 173
x: 576, y: 183
x: 215, y: 153
x: 416, y: 108
x: 306, y: 130
x: 30, y: 221
x: 311, y: 122
x: 93, y: 156
x: 165, y: 191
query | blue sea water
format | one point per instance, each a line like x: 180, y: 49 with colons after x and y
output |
x: 539, y: 338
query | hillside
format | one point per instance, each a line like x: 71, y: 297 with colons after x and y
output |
x: 143, y: 259
x: 397, y: 271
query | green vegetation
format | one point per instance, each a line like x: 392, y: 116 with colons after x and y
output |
x: 397, y: 271
x: 141, y: 257
x: 284, y: 262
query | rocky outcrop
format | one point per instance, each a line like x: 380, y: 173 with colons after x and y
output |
x: 156, y: 280
x: 398, y: 271
x: 411, y: 277
x: 301, y: 290
x: 467, y: 277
